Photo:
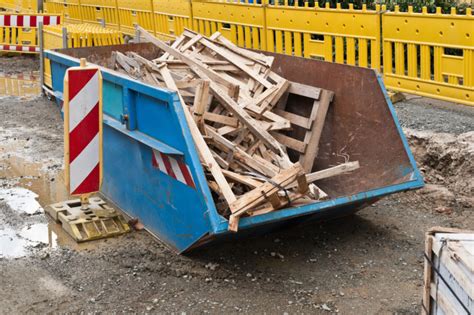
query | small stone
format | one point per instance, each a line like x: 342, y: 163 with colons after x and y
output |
x: 326, y: 307
x: 211, y: 266
x: 155, y: 301
x: 249, y: 275
x: 149, y: 308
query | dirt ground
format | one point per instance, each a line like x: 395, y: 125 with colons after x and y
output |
x: 369, y: 263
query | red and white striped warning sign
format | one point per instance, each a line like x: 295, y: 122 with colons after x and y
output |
x: 174, y: 167
x: 13, y: 20
x: 83, y: 129
x: 19, y: 48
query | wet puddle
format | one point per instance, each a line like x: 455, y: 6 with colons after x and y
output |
x: 23, y: 224
x: 25, y: 187
x: 25, y: 85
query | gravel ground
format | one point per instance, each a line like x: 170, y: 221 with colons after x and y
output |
x: 422, y: 113
x: 369, y: 263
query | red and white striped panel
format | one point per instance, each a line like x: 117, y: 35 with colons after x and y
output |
x: 19, y: 48
x: 11, y: 20
x: 174, y: 167
x: 84, y: 130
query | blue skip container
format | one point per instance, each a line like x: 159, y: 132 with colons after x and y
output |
x: 141, y: 121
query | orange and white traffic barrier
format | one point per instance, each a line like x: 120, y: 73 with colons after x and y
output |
x: 83, y: 129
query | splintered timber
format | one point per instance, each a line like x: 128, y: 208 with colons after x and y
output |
x: 235, y: 106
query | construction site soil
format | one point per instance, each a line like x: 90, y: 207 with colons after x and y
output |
x: 368, y: 263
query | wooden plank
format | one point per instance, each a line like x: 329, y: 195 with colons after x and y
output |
x: 195, y: 65
x: 294, y: 118
x: 121, y: 60
x: 258, y: 195
x: 261, y: 58
x: 269, y: 103
x: 190, y: 43
x: 238, y: 178
x: 221, y: 119
x: 222, y: 163
x: 220, y: 139
x: 148, y: 64
x: 333, y: 171
x: 307, y: 159
x: 245, y: 118
x: 175, y: 45
x: 289, y: 142
x: 255, y: 163
x: 224, y: 54
x: 201, y: 146
x: 186, y: 84
x: 225, y: 130
x: 201, y: 100
x: 305, y: 90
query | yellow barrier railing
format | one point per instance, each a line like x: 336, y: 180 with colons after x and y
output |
x: 429, y: 54
x: 25, y: 6
x: 172, y: 17
x: 74, y: 36
x: 132, y: 13
x: 337, y: 35
x: 70, y: 9
x: 242, y: 23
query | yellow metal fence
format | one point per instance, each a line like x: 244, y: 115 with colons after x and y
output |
x: 30, y: 6
x: 74, y: 36
x: 429, y: 54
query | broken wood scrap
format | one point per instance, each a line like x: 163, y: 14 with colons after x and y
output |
x: 203, y: 149
x: 262, y: 193
x: 235, y: 107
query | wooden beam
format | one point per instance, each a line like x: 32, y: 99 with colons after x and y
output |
x: 294, y: 118
x: 201, y: 146
x: 245, y: 118
x: 260, y: 194
x: 221, y: 119
x: 304, y: 90
x: 333, y: 171
x: 261, y: 58
x: 289, y: 142
x: 201, y: 100
x: 312, y: 138
x: 192, y: 63
x: 238, y: 178
x: 224, y: 54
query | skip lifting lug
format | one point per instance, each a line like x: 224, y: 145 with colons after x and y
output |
x: 124, y: 119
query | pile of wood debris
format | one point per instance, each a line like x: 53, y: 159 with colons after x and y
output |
x: 235, y: 107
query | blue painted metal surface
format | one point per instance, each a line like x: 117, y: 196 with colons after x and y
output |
x: 139, y: 118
